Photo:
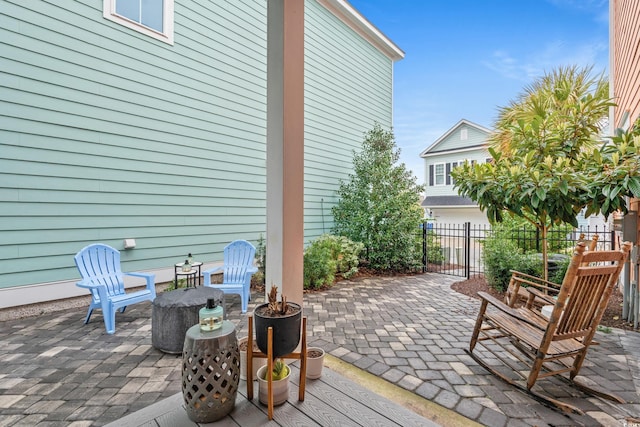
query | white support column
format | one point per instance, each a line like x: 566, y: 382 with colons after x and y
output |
x: 285, y: 147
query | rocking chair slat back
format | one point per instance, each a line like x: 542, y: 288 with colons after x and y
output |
x: 587, y: 297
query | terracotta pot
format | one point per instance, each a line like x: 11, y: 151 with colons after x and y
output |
x: 314, y: 364
x: 286, y: 330
x: 257, y: 361
x: 280, y: 388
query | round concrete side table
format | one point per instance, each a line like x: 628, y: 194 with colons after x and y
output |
x: 174, y: 312
x: 210, y: 372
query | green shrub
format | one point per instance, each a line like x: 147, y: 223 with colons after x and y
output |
x: 434, y: 249
x: 379, y: 205
x: 261, y: 260
x: 528, y: 239
x: 500, y: 256
x: 529, y: 264
x: 327, y: 256
x: 319, y: 266
x: 558, y: 275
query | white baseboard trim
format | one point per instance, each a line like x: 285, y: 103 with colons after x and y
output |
x: 51, y: 291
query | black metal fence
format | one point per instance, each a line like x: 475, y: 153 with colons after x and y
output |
x: 456, y: 249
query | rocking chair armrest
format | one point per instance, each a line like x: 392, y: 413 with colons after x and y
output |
x: 253, y: 269
x: 536, y: 282
x: 149, y: 277
x: 535, y: 278
x: 535, y: 293
x: 505, y: 308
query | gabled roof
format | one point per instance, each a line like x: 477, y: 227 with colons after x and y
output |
x: 433, y: 147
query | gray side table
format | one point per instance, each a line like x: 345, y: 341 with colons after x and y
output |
x: 210, y: 372
x: 174, y: 312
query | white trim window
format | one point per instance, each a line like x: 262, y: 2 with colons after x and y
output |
x: 439, y: 174
x: 151, y: 17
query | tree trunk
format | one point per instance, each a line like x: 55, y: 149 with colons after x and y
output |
x: 545, y: 255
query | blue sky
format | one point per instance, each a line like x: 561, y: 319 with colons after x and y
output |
x: 466, y: 58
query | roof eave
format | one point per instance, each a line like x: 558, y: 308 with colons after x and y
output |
x: 352, y: 18
x: 450, y: 131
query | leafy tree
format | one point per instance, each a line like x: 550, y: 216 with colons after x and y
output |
x: 548, y: 162
x: 379, y: 205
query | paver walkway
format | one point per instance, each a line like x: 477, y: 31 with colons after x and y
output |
x: 411, y: 331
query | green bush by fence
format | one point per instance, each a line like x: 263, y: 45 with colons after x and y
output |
x: 328, y: 256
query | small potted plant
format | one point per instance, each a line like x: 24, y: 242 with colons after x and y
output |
x: 315, y: 361
x: 284, y: 317
x: 280, y: 383
x: 257, y: 361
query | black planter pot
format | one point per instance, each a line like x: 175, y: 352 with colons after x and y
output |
x: 286, y: 330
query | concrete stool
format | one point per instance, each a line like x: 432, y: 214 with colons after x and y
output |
x: 174, y: 312
x: 210, y: 372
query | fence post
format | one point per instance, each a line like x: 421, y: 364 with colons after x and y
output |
x: 424, y: 246
x: 467, y: 250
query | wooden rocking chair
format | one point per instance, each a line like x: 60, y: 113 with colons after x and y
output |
x: 516, y: 293
x: 533, y: 346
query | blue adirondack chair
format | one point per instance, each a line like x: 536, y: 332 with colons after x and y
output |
x: 99, y: 266
x: 237, y: 271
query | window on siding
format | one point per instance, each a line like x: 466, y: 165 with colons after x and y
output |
x: 464, y: 134
x: 453, y: 165
x: 151, y: 17
x: 439, y: 174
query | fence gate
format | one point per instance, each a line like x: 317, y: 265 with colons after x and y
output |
x: 456, y: 249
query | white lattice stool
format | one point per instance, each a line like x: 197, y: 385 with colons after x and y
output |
x: 210, y: 372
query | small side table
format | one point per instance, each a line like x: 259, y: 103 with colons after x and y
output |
x: 174, y: 312
x: 193, y: 276
x: 210, y: 372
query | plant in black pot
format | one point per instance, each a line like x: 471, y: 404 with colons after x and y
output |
x: 285, y: 319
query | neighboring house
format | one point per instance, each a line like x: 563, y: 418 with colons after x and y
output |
x: 151, y: 126
x: 466, y: 141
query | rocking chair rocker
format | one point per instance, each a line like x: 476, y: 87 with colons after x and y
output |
x: 533, y: 346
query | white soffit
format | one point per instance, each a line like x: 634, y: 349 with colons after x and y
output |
x: 351, y: 17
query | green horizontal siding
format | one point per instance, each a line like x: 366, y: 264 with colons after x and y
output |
x: 475, y: 137
x: 109, y: 134
x: 348, y: 88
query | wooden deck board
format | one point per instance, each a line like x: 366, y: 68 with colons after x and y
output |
x: 330, y: 400
x: 382, y: 410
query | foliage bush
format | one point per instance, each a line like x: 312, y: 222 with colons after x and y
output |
x: 525, y: 234
x: 327, y: 256
x: 379, y: 205
x: 434, y: 248
x: 558, y: 275
x: 261, y: 260
x: 500, y: 256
